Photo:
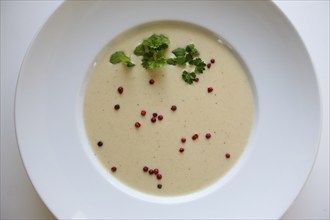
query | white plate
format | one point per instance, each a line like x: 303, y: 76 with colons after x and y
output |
x: 48, y: 112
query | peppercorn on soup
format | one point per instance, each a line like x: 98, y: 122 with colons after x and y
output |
x: 168, y: 108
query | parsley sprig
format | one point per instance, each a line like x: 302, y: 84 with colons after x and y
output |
x: 184, y: 55
x: 153, y: 51
x: 188, y: 55
x: 121, y: 57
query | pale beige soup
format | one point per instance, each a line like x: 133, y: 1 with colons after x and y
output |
x: 226, y: 113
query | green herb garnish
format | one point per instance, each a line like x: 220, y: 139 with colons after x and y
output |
x: 188, y: 77
x: 153, y: 51
x: 120, y: 57
x: 190, y: 48
x: 199, y: 65
x: 184, y: 56
x: 180, y: 54
x: 171, y: 61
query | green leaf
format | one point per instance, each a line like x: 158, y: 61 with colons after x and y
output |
x: 171, y: 61
x: 199, y: 70
x: 188, y: 77
x: 199, y: 65
x: 190, y: 48
x: 188, y: 58
x: 154, y: 63
x: 179, y: 52
x: 130, y: 64
x: 181, y: 60
x: 120, y: 57
x: 139, y: 50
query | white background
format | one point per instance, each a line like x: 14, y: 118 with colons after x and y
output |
x: 20, y: 22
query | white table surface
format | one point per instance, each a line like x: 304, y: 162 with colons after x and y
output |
x: 21, y: 20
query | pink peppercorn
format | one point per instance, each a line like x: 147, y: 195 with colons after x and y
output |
x: 195, y: 136
x: 120, y: 89
x: 160, y: 117
x: 137, y: 124
x: 145, y: 169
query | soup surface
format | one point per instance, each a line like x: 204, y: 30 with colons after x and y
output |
x: 190, y: 147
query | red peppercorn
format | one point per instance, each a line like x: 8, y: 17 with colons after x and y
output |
x: 159, y: 186
x: 212, y: 60
x: 151, y: 171
x: 117, y: 107
x: 196, y: 79
x: 210, y: 89
x: 143, y: 113
x: 120, y: 89
x: 151, y: 82
x: 145, y: 169
x: 153, y: 119
x: 173, y: 108
x: 181, y: 149
x: 160, y: 117
x: 113, y: 169
x: 156, y: 171
x: 100, y: 143
x: 195, y: 136
x: 183, y: 140
x: 154, y: 115
x: 208, y: 65
x: 208, y: 135
x: 159, y: 176
x: 137, y: 124
x: 227, y: 155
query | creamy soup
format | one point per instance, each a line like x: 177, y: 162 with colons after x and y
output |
x: 185, y: 149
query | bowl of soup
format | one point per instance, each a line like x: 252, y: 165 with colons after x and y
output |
x: 199, y: 110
